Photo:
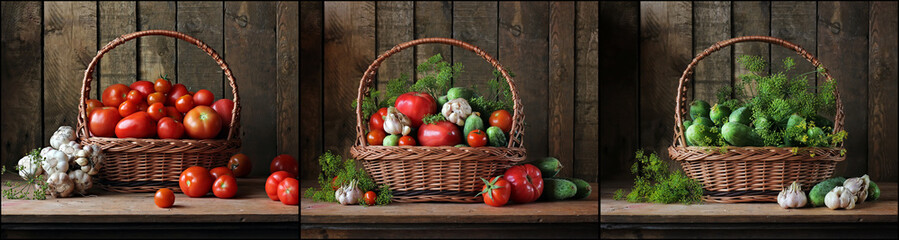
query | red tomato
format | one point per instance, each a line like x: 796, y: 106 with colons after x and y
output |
x: 91, y: 105
x: 156, y: 111
x: 285, y: 162
x: 416, y: 105
x: 220, y: 171
x: 224, y: 107
x: 202, y: 123
x: 177, y: 91
x: 377, y: 120
x: 115, y: 94
x: 407, y: 141
x: 135, y: 96
x: 225, y: 186
x: 370, y: 197
x: 334, y: 183
x: 195, y: 181
x: 168, y: 128
x: 128, y: 107
x: 496, y: 192
x: 103, y: 121
x: 442, y: 133
x: 174, y: 114
x: 164, y: 198
x: 137, y: 125
x: 240, y: 165
x: 185, y: 103
x: 501, y: 119
x: 289, y: 191
x: 144, y: 87
x: 271, y: 184
x: 477, y: 138
x: 527, y: 182
x: 162, y: 85
x: 156, y: 97
x: 143, y: 106
x: 376, y: 137
x: 203, y: 97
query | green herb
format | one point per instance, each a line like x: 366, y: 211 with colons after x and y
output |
x: 499, y: 95
x: 619, y: 194
x: 345, y: 171
x: 436, y: 76
x: 433, y: 118
x: 654, y: 182
x: 34, y: 187
x: 384, y: 195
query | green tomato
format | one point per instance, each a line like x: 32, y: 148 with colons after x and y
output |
x: 392, y: 140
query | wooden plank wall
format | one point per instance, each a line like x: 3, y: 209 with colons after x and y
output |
x: 856, y: 41
x: 551, y: 46
x: 47, y: 46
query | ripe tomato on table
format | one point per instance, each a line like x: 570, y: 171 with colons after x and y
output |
x: 527, y: 182
x: 164, y: 198
x: 144, y: 87
x: 137, y: 125
x: 496, y: 192
x: 501, y: 119
x: 271, y: 183
x: 220, y: 171
x: 202, y: 123
x: 103, y: 121
x: 195, y: 181
x: 225, y: 186
x: 284, y: 162
x: 203, y: 97
x: 289, y: 191
x: 184, y: 103
x: 370, y: 198
x: 168, y: 128
x: 240, y: 165
x: 114, y: 95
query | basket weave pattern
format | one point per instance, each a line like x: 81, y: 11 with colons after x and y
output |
x: 432, y: 174
x: 145, y: 165
x: 748, y: 174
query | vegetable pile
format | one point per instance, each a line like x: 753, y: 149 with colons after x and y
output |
x: 654, y: 183
x: 838, y: 192
x: 341, y: 181
x: 773, y: 110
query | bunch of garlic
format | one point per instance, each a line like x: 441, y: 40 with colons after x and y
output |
x: 67, y: 164
x: 396, y: 122
x: 858, y: 186
x: 840, y: 197
x: 348, y: 194
x: 456, y: 111
x: 792, y: 197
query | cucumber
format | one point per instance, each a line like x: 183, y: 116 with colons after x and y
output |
x: 740, y: 135
x: 496, y: 137
x: 700, y: 135
x: 719, y: 114
x: 473, y: 122
x: 699, y: 108
x: 687, y: 124
x: 817, y: 194
x: 583, y: 188
x: 555, y: 189
x: 816, y: 134
x: 762, y: 123
x: 459, y: 92
x: 704, y: 121
x: 549, y: 166
x: 440, y: 101
x: 789, y: 133
x: 873, y: 191
x: 741, y: 115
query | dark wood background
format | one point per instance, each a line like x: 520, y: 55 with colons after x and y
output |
x: 551, y: 46
x: 647, y: 45
x: 47, y: 46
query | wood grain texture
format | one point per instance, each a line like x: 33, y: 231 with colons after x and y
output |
x: 70, y: 42
x: 711, y: 23
x: 476, y: 23
x: 793, y: 21
x: 666, y: 38
x: 394, y: 26
x: 21, y: 85
x: 311, y: 141
x: 119, y: 65
x: 883, y: 59
x: 586, y: 118
x: 560, y: 138
x: 196, y: 70
x: 524, y: 35
x: 157, y: 54
x: 251, y: 46
x: 433, y: 19
x: 349, y: 43
x: 288, y: 109
x: 751, y: 18
x: 619, y: 89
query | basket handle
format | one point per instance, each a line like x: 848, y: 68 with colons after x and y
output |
x: 367, y: 77
x: 680, y: 107
x: 88, y: 76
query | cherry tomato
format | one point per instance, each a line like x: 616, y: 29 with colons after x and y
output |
x: 195, y: 181
x: 496, y: 192
x: 376, y: 137
x: 370, y: 198
x: 502, y: 119
x: 177, y: 91
x: 156, y: 111
x: 156, y: 97
x: 91, y: 105
x: 203, y: 97
x: 202, y: 123
x: 162, y: 85
x: 168, y: 128
x: 334, y: 183
x: 143, y: 106
x: 174, y: 114
x: 103, y: 121
x: 289, y: 191
x: 137, y: 125
x: 224, y: 108
x: 240, y: 165
x: 377, y: 120
x: 185, y: 103
x: 144, y: 87
x: 477, y: 138
x: 135, y: 96
x: 114, y: 95
x: 271, y: 183
x: 407, y: 141
x: 225, y: 186
x: 220, y: 171
x: 127, y: 108
x: 285, y: 162
x: 164, y: 198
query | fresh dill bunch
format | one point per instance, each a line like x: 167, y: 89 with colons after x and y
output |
x: 654, y: 182
x: 499, y: 95
x: 619, y: 194
x: 34, y: 187
x: 436, y: 76
x: 345, y: 170
x: 677, y: 187
x: 432, y: 118
x: 384, y: 195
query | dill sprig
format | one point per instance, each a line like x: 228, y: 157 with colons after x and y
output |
x: 35, y: 185
x: 654, y: 182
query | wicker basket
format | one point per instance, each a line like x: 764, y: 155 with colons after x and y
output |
x: 145, y: 165
x: 749, y: 174
x: 436, y: 174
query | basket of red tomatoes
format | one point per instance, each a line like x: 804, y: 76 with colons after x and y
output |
x: 151, y: 131
x: 435, y: 152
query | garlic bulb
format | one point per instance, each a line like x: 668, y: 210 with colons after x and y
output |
x: 396, y: 122
x: 792, y: 197
x: 858, y: 186
x: 840, y: 197
x: 60, y: 185
x: 456, y: 111
x: 348, y: 194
